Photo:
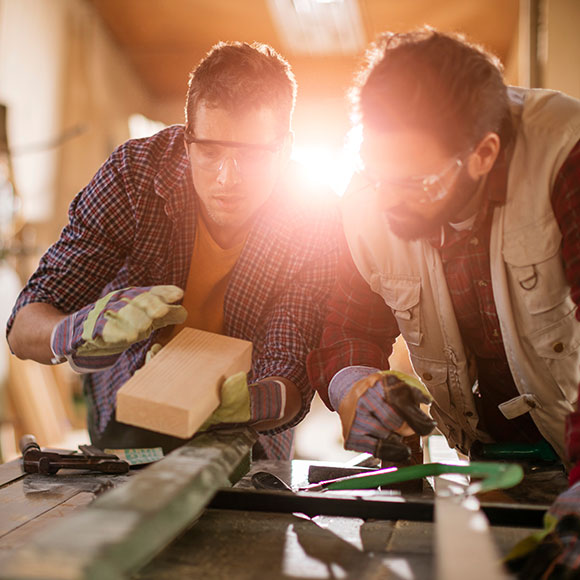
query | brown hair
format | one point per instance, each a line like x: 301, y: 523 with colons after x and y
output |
x: 434, y: 82
x: 239, y: 76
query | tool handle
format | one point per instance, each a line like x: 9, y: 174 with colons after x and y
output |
x: 28, y: 442
x: 493, y: 476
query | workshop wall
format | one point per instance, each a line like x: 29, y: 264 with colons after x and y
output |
x: 70, y: 91
x: 559, y: 49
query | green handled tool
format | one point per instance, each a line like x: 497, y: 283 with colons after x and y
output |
x: 490, y: 476
x: 540, y: 452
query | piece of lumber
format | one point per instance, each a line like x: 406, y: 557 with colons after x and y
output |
x: 22, y: 534
x: 463, y: 542
x: 24, y: 499
x: 126, y: 527
x: 36, y: 402
x: 464, y: 545
x: 179, y: 388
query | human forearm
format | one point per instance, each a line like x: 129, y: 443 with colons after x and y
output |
x: 29, y: 337
x: 359, y: 329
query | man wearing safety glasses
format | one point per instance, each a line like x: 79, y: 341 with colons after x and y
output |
x: 205, y: 226
x: 463, y: 236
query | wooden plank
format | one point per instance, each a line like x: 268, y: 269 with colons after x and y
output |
x: 22, y: 535
x: 30, y: 496
x: 36, y: 401
x: 243, y: 545
x: 125, y: 527
x: 179, y: 388
x: 464, y: 545
x: 10, y: 471
x: 17, y: 507
x: 463, y: 542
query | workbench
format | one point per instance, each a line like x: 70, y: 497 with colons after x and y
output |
x: 268, y: 537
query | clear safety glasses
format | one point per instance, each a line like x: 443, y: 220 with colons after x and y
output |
x: 211, y: 155
x: 424, y: 188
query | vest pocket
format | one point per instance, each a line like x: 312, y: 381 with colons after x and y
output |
x: 559, y: 347
x: 532, y: 255
x: 434, y: 375
x: 402, y: 295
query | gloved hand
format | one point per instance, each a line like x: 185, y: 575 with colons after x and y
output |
x: 94, y: 337
x: 242, y: 403
x: 553, y: 552
x: 377, y: 409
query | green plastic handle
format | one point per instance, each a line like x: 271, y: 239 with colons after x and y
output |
x: 541, y: 450
x: 493, y: 476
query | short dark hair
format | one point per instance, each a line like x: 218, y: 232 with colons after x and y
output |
x: 239, y: 76
x: 433, y: 82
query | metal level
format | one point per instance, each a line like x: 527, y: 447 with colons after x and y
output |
x: 378, y: 508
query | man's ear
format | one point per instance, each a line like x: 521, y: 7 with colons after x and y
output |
x: 480, y: 162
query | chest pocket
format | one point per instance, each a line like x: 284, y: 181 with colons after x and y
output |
x: 535, y: 266
x: 402, y: 295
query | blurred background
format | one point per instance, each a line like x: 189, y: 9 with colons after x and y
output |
x: 79, y: 77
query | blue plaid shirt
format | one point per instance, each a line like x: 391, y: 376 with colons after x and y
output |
x: 134, y: 225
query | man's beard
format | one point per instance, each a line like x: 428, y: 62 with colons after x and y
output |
x: 408, y: 225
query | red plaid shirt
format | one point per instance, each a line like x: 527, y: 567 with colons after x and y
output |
x: 361, y: 329
x: 134, y: 225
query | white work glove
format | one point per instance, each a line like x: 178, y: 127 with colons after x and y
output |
x: 94, y: 337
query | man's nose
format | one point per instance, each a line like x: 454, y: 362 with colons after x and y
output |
x: 228, y: 171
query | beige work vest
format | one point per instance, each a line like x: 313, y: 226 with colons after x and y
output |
x: 537, y: 315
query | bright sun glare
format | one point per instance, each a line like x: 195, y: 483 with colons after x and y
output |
x: 326, y: 165
x: 331, y: 167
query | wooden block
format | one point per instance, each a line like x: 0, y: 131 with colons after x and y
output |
x: 180, y: 387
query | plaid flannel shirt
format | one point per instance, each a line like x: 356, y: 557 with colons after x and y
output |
x: 360, y: 329
x: 134, y: 225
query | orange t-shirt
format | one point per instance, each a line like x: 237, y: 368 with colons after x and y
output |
x: 207, y: 281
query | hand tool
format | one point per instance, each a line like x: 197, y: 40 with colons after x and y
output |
x: 318, y: 473
x: 34, y: 460
x: 490, y: 476
x: 540, y: 453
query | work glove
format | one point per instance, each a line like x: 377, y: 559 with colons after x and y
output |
x: 242, y: 403
x: 553, y: 552
x: 94, y: 337
x: 377, y: 408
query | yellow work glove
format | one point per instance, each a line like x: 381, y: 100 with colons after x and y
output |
x: 242, y: 403
x: 94, y: 337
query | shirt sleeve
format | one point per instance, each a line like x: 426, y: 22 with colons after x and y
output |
x: 91, y: 248
x: 566, y: 205
x: 294, y: 323
x: 359, y: 328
